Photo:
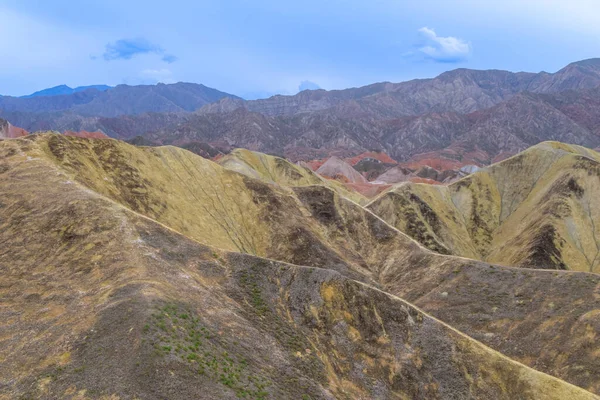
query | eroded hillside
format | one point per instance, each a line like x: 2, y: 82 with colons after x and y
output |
x: 272, y: 169
x: 535, y: 210
x: 141, y: 273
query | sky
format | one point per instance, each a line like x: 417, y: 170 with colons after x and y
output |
x: 262, y: 47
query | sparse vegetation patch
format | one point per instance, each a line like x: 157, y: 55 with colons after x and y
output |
x: 175, y: 331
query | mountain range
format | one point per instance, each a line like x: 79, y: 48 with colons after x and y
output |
x: 110, y: 102
x: 462, y: 116
x: 461, y: 90
x: 64, y: 89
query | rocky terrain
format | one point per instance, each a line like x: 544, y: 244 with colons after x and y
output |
x: 461, y: 90
x: 535, y: 210
x: 462, y: 117
x: 151, y: 272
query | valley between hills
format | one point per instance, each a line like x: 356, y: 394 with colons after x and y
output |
x: 150, y: 272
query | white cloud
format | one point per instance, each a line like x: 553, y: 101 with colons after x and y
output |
x: 443, y: 49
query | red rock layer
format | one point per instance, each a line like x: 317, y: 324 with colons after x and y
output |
x: 15, y: 131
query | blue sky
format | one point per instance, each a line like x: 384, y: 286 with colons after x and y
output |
x: 260, y: 47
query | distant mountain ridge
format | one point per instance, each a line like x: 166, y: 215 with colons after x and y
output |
x: 481, y: 137
x: 64, y: 89
x: 460, y: 90
x: 120, y: 100
x: 470, y: 116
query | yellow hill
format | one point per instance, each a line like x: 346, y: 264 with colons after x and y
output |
x: 132, y: 274
x: 277, y: 170
x: 534, y: 210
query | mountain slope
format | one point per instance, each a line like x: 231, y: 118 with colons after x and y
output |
x: 279, y: 171
x: 113, y: 303
x: 533, y: 210
x: 108, y: 218
x: 461, y: 90
x: 480, y: 137
x: 578, y: 75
